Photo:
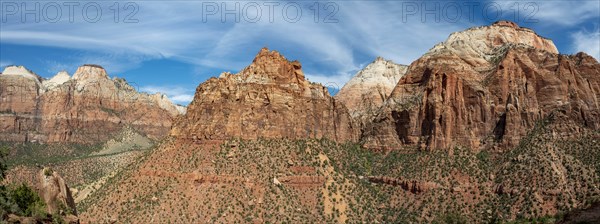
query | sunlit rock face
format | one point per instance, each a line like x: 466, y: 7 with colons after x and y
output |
x: 366, y: 92
x: 270, y: 99
x: 88, y: 107
x: 485, y: 86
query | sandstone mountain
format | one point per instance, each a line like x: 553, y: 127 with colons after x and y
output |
x: 85, y: 108
x: 245, y: 152
x: 511, y: 128
x: 270, y: 98
x: 483, y: 87
x: 364, y: 94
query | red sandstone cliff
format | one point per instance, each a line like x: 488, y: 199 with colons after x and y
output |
x: 270, y: 98
x: 86, y: 108
x: 485, y: 85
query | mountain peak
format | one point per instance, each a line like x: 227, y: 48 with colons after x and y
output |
x: 382, y: 68
x: 507, y: 24
x: 90, y: 72
x: 60, y: 78
x: 272, y: 67
x: 481, y: 43
x: 368, y: 89
x: 265, y: 55
x: 20, y: 71
x: 270, y: 98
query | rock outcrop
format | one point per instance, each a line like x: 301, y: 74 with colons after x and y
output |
x: 412, y: 186
x: 270, y: 98
x: 364, y: 94
x: 485, y: 85
x: 56, y: 193
x: 85, y: 108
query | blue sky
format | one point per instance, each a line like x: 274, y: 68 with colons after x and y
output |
x: 172, y: 46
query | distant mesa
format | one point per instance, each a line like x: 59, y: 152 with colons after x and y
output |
x: 84, y: 108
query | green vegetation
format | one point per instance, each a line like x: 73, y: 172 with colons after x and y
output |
x: 48, y: 172
x: 19, y: 199
x: 8, y: 111
x: 3, y: 163
x: 33, y: 154
x: 111, y: 111
x: 185, y: 182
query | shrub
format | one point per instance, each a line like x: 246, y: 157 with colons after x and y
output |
x: 28, y: 201
x: 48, y: 172
x: 3, y: 167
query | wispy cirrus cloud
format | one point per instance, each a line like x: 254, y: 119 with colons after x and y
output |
x: 567, y: 13
x: 588, y: 42
x: 330, y: 49
x: 177, y: 31
x: 114, y: 63
x: 551, y: 13
x: 177, y: 94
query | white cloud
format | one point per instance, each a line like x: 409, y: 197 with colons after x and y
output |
x: 177, y: 94
x: 379, y: 30
x: 551, y: 13
x: 113, y: 63
x: 588, y: 42
x: 364, y: 29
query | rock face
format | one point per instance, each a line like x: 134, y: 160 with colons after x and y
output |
x: 413, y: 186
x: 85, y: 108
x: 369, y: 88
x: 478, y: 45
x: 270, y: 98
x: 56, y: 193
x: 485, y: 85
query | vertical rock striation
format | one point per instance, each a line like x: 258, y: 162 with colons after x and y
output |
x: 485, y: 86
x: 270, y: 98
x: 86, y: 108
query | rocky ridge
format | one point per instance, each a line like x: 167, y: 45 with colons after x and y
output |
x: 485, y: 87
x: 270, y: 98
x: 478, y: 45
x: 84, y: 108
x: 510, y: 129
x: 488, y: 123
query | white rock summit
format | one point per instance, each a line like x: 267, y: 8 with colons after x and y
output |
x: 93, y: 76
x: 83, y: 108
x: 15, y: 70
x: 57, y: 80
x: 369, y: 88
x: 478, y: 45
